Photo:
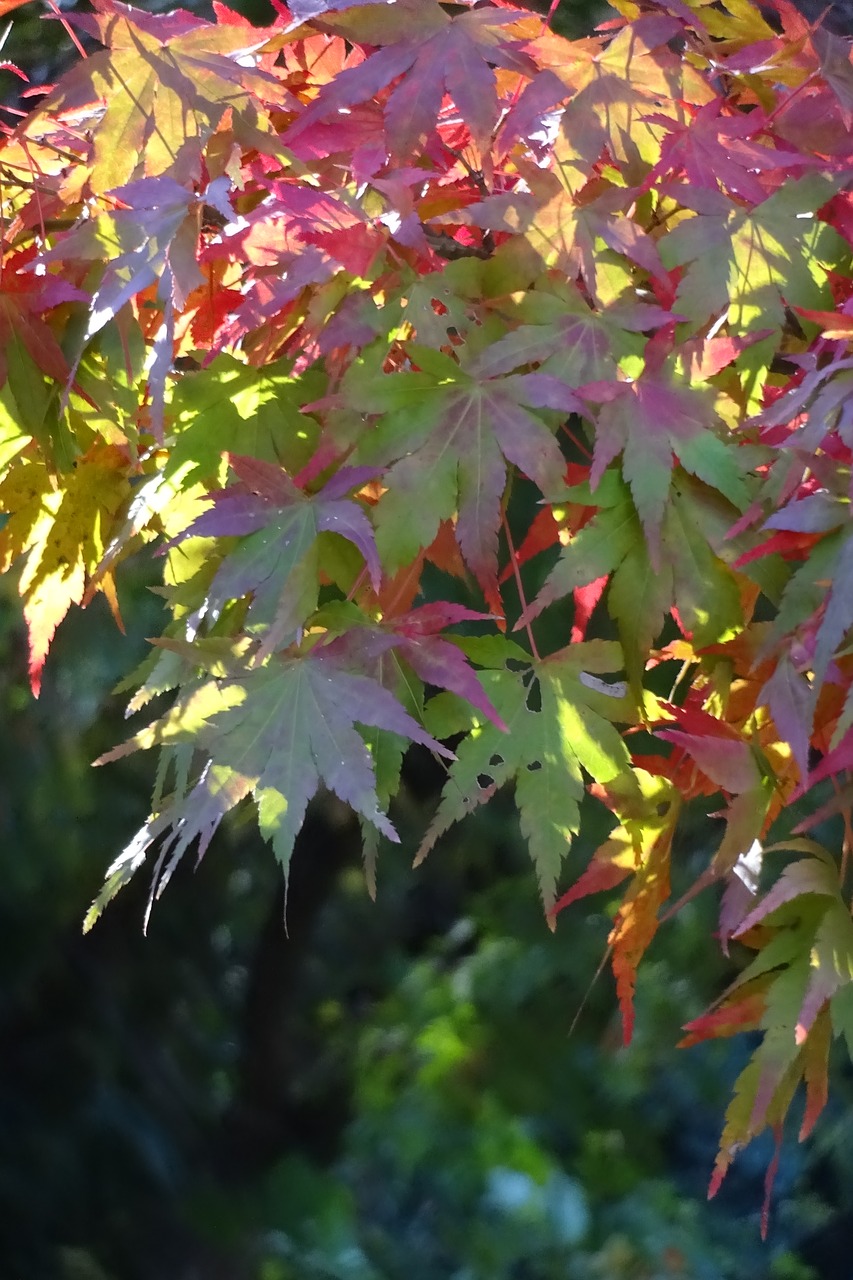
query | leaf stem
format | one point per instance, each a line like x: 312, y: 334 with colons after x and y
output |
x: 69, y: 30
x: 520, y: 586
x: 576, y: 441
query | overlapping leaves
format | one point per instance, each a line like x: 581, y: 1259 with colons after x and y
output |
x: 373, y: 315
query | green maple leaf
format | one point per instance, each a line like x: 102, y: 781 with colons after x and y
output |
x: 704, y: 589
x: 547, y: 752
x: 640, y: 594
x: 278, y: 733
x: 231, y: 407
x: 750, y: 264
x: 563, y: 336
x: 448, y: 438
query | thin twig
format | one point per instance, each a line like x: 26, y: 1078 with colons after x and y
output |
x: 521, y: 596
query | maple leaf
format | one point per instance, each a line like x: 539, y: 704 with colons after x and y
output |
x: 806, y: 968
x: 563, y: 226
x: 725, y: 759
x: 416, y: 639
x: 570, y: 340
x: 546, y: 752
x: 616, y: 87
x: 406, y: 650
x: 278, y: 560
x: 639, y: 847
x: 277, y: 732
x: 62, y: 531
x: 13, y: 437
x: 712, y: 150
x: 448, y: 438
x: 651, y: 421
x: 636, y: 921
x: 824, y: 615
x: 611, y: 545
x: 160, y: 89
x: 151, y: 241
x: 748, y: 264
x: 612, y: 862
x: 606, y: 228
x: 304, y: 10
x: 738, y: 1013
x: 730, y: 762
x: 432, y: 54
x: 24, y: 297
x: 231, y: 407
x: 835, y: 69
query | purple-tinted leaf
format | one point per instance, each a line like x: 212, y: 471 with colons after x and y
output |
x: 432, y: 617
x: 440, y: 663
x: 740, y: 893
x: 234, y: 513
x: 160, y: 359
x: 350, y: 521
x: 838, y: 614
x: 650, y: 421
x: 640, y: 317
x: 791, y: 701
x: 471, y: 84
x: 544, y: 391
x: 453, y: 56
x: 816, y: 513
x: 277, y: 560
x: 347, y: 479
x: 305, y: 10
x: 712, y: 148
x: 834, y: 53
x: 414, y: 105
x: 625, y: 236
x: 525, y: 119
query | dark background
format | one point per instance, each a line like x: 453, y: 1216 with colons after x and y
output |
x: 426, y: 1087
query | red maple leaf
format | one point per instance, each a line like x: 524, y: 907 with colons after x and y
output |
x: 437, y: 55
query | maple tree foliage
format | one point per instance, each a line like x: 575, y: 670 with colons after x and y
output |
x: 317, y: 312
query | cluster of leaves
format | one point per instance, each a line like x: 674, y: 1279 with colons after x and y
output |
x: 322, y: 311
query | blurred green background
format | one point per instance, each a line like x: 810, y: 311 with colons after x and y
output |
x: 431, y: 1087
